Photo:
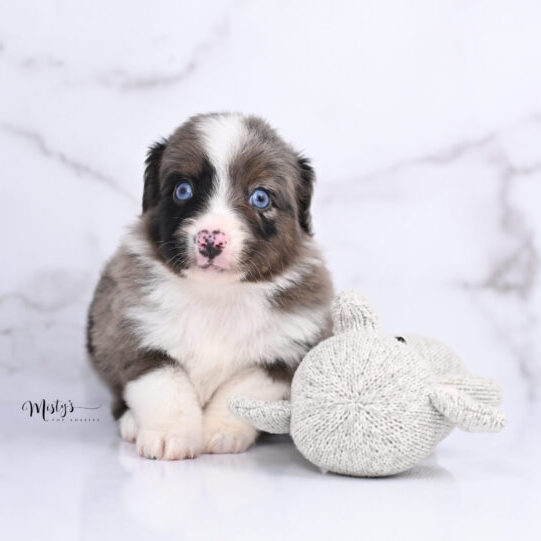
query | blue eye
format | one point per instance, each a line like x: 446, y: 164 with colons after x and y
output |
x: 183, y: 191
x: 260, y: 199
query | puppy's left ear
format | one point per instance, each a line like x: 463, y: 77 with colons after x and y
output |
x: 305, y: 189
x: 151, y: 192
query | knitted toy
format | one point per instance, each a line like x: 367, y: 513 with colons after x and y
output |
x: 368, y: 404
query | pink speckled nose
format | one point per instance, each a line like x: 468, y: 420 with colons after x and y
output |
x: 211, y: 243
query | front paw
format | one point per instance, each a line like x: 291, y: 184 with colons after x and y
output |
x: 224, y: 437
x: 168, y: 444
x: 128, y: 427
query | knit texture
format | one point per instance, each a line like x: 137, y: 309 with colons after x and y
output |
x: 364, y: 403
x: 350, y: 311
x: 273, y: 417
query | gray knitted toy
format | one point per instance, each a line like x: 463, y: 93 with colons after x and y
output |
x: 369, y: 404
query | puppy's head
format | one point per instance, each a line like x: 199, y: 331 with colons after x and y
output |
x: 225, y: 198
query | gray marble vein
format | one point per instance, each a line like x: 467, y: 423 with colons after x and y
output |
x: 35, y: 305
x: 128, y: 81
x: 37, y: 141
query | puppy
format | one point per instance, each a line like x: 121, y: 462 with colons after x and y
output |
x: 217, y: 290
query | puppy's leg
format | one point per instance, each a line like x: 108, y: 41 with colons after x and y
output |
x: 167, y: 413
x: 225, y: 433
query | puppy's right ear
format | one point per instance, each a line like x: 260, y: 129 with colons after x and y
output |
x: 151, y: 192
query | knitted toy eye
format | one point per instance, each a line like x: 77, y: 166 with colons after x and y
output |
x: 183, y: 191
x: 401, y: 339
x: 260, y: 199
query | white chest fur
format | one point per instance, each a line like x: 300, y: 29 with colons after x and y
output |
x: 216, y: 330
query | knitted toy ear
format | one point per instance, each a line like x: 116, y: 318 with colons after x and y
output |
x: 477, y: 387
x: 466, y: 412
x: 273, y: 417
x: 352, y: 312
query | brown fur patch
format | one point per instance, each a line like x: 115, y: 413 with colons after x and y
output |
x: 112, y: 343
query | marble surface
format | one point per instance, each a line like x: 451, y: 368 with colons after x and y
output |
x: 423, y: 121
x: 76, y: 480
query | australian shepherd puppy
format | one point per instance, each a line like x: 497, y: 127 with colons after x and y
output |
x: 217, y: 290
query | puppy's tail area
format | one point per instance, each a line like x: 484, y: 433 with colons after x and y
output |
x: 273, y: 417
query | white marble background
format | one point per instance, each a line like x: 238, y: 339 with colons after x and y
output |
x: 423, y: 120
